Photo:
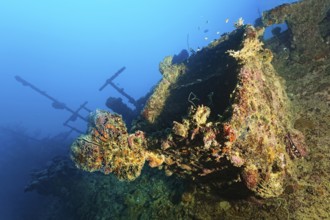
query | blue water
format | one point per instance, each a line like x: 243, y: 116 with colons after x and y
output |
x: 68, y: 49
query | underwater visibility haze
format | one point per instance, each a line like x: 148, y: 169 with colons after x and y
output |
x: 164, y: 109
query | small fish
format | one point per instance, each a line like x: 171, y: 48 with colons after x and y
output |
x: 227, y: 20
x: 218, y: 32
x: 206, y: 30
x: 206, y: 38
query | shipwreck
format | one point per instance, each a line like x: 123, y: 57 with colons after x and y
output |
x: 219, y: 118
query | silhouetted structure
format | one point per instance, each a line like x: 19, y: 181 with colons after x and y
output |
x: 117, y: 104
x: 59, y: 105
x: 120, y: 90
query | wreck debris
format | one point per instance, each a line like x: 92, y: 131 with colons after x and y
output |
x: 247, y: 143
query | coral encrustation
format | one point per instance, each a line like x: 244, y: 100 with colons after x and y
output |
x: 108, y: 148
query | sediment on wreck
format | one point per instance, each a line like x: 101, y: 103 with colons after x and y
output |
x: 219, y: 118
